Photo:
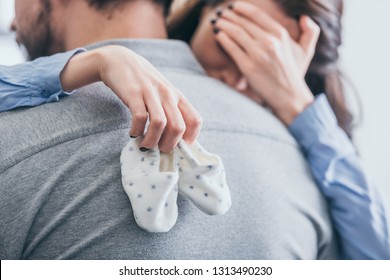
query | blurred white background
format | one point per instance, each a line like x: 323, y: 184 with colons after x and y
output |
x: 365, y: 60
x: 9, y: 52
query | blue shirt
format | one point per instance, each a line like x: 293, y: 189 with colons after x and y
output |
x: 357, y: 209
x: 33, y: 83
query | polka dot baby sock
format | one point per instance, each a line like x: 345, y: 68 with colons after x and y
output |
x: 152, y: 181
x: 202, y: 179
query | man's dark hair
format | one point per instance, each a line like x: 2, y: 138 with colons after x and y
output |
x: 101, y: 4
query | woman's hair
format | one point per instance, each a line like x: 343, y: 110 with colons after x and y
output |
x: 324, y: 75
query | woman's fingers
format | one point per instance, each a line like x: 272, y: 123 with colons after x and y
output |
x: 309, y: 36
x: 139, y: 115
x: 261, y: 18
x: 237, y: 33
x: 255, y: 31
x: 247, y: 64
x: 192, y: 119
x: 157, y: 119
x: 232, y: 49
x: 237, y: 43
x: 183, y: 122
x: 171, y: 117
x: 175, y: 124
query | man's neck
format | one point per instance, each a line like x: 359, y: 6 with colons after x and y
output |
x: 138, y: 19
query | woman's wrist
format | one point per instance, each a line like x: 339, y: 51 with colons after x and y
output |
x: 81, y: 70
x: 294, y: 106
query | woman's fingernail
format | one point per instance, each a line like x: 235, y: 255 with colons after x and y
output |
x: 216, y: 30
x: 219, y: 12
x: 231, y: 6
x: 131, y: 136
x: 213, y: 21
x: 143, y: 149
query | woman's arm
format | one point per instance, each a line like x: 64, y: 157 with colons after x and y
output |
x: 146, y: 92
x: 33, y: 83
x: 274, y: 66
x: 357, y: 209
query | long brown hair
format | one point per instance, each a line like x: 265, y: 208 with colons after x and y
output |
x: 324, y: 75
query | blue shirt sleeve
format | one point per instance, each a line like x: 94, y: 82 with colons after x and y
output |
x: 33, y: 83
x: 359, y: 214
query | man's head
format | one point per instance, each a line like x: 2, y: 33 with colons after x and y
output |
x: 46, y: 27
x: 32, y: 26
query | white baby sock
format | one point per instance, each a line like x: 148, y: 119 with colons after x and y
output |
x: 202, y: 179
x: 150, y: 181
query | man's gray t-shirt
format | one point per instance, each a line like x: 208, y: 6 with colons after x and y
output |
x: 60, y: 182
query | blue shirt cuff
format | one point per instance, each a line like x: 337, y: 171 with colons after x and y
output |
x: 46, y: 75
x: 318, y: 124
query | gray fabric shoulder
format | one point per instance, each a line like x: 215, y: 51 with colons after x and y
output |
x: 25, y: 132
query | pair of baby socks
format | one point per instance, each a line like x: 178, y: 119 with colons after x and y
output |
x: 153, y: 180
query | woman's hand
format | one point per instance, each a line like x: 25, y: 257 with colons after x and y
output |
x: 273, y: 64
x: 146, y: 92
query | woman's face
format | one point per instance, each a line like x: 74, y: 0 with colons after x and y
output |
x: 213, y: 58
